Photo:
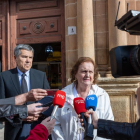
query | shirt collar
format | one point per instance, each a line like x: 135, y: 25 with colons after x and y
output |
x: 20, y: 73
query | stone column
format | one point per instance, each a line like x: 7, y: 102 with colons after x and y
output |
x: 85, y: 31
x: 116, y: 36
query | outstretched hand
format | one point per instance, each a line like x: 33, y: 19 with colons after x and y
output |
x: 31, y: 118
x: 36, y: 94
x: 48, y: 124
x: 94, y: 118
x: 34, y: 109
x: 32, y: 95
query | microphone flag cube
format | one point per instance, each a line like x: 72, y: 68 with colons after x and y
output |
x: 79, y: 105
x: 91, y: 102
x: 59, y: 98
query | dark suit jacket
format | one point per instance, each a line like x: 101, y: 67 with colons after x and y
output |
x: 10, y: 87
x: 137, y: 131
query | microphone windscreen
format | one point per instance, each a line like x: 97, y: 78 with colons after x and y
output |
x: 59, y: 98
x: 91, y: 102
x: 79, y: 105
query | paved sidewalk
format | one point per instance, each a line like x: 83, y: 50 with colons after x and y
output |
x: 2, y: 134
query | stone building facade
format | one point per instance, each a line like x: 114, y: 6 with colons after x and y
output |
x: 96, y: 36
x: 47, y: 21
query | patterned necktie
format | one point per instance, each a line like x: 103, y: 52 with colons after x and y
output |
x: 24, y: 88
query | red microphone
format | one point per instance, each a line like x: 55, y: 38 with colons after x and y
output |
x: 58, y: 101
x: 79, y: 106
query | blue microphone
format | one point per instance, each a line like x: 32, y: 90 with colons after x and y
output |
x: 91, y: 104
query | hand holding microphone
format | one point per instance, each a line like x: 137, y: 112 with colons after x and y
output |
x: 58, y: 102
x: 94, y: 118
x: 91, y: 104
x: 79, y: 106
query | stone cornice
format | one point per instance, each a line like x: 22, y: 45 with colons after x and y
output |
x: 119, y: 84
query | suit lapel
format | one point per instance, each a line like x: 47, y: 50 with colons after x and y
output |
x: 15, y: 80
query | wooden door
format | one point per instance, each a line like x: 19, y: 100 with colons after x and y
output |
x: 4, y: 33
x: 37, y: 21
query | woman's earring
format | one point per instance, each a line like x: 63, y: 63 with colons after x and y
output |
x: 75, y: 80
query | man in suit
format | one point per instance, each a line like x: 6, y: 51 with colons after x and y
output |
x: 20, y: 80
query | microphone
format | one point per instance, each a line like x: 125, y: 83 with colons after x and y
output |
x: 91, y: 104
x: 58, y: 101
x: 79, y: 106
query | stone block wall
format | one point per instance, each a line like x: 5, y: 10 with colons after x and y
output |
x: 71, y: 40
x: 122, y: 96
x: 100, y: 16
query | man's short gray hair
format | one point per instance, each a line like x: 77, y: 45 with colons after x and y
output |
x: 17, y: 49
